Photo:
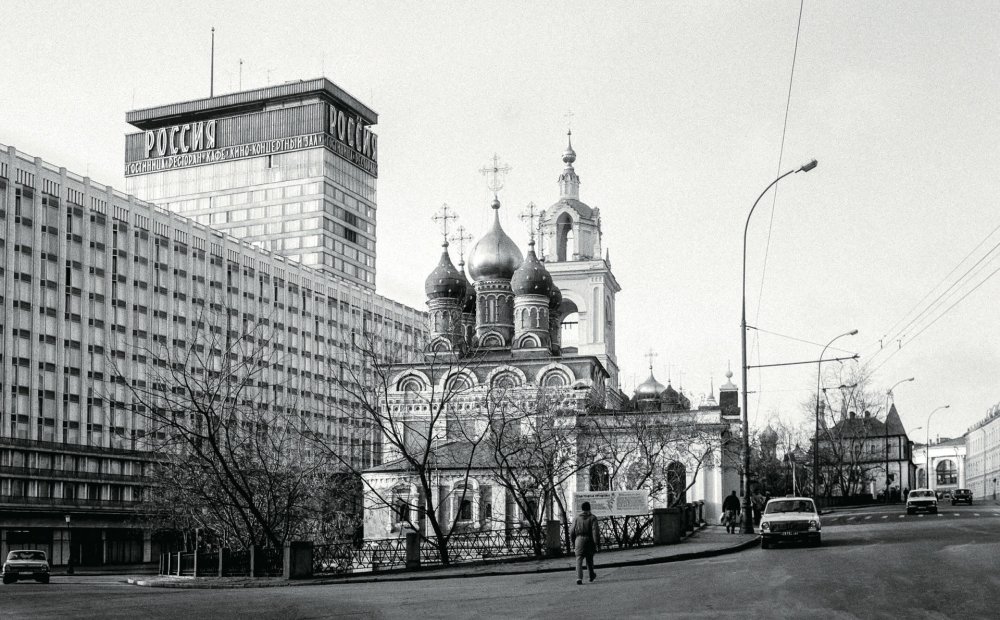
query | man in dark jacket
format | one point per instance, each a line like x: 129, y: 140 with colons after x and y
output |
x: 731, y: 510
x: 586, y: 537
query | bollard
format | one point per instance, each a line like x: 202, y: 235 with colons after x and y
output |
x: 701, y: 513
x: 179, y: 563
x: 666, y: 526
x: 253, y: 560
x: 553, y: 538
x: 412, y: 551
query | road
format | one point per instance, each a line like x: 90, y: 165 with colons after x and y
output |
x: 873, y: 564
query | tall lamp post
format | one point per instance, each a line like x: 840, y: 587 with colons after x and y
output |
x: 819, y: 374
x: 927, y: 447
x: 747, y: 509
x: 889, y: 397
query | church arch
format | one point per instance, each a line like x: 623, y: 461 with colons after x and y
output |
x: 505, y: 376
x: 554, y: 375
x: 491, y: 339
x: 565, y: 237
x: 528, y: 341
x: 600, y: 479
x: 412, y: 381
x: 460, y: 379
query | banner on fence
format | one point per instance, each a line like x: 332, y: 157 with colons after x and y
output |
x: 614, y: 503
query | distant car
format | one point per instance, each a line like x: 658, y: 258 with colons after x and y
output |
x: 790, y: 519
x: 944, y: 494
x: 26, y: 564
x: 961, y: 495
x: 921, y: 499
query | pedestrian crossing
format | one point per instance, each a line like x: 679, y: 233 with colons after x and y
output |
x: 857, y: 519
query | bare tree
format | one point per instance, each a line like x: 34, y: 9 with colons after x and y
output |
x: 226, y: 434
x: 416, y: 426
x: 534, y: 452
x: 850, y: 432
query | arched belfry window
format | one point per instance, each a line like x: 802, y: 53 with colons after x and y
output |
x: 564, y: 238
x: 600, y: 480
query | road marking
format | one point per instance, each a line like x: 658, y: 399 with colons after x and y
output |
x: 902, y: 516
x: 955, y: 514
x: 940, y: 514
x: 921, y: 516
x: 851, y: 518
x: 887, y: 516
x: 868, y: 517
x: 977, y: 514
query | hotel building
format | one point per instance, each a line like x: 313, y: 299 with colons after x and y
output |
x: 93, y: 276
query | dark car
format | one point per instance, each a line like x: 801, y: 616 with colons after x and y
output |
x: 26, y: 564
x: 961, y: 495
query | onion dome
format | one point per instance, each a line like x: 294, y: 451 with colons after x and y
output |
x: 469, y: 304
x: 650, y: 388
x: 569, y: 155
x: 495, y: 256
x: 445, y: 280
x: 531, y: 278
x: 555, y: 298
x: 670, y: 395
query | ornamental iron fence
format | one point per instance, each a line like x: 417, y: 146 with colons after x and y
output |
x: 626, y: 531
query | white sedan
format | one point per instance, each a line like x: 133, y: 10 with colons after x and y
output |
x: 790, y: 519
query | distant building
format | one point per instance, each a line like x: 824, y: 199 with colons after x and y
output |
x: 865, y: 455
x: 947, y: 464
x: 982, y: 443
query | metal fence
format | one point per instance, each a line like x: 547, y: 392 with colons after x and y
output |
x: 626, y: 532
x: 235, y: 563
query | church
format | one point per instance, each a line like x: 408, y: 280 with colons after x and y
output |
x: 515, y: 338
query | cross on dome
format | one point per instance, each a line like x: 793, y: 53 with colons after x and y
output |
x: 494, y: 174
x: 444, y: 215
x: 530, y: 214
x: 461, y: 237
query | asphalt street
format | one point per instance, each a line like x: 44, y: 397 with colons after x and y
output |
x: 874, y: 563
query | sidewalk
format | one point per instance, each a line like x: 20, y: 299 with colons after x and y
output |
x: 709, y: 541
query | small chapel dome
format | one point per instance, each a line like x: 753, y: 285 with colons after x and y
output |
x: 649, y: 389
x: 445, y: 280
x: 531, y: 278
x: 495, y: 255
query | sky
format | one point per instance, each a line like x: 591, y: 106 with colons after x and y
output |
x: 678, y: 112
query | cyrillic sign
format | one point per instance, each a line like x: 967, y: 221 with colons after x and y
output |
x: 612, y: 503
x: 264, y: 147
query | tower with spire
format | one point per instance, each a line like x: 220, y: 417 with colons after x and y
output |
x: 569, y: 234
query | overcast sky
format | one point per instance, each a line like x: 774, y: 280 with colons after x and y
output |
x: 677, y: 115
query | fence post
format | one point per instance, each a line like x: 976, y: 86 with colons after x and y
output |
x: 412, y: 551
x: 253, y: 560
x: 179, y: 563
x: 701, y: 513
x: 298, y: 560
x: 196, y: 562
x: 666, y: 526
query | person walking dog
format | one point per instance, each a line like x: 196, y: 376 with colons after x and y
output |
x: 587, y: 537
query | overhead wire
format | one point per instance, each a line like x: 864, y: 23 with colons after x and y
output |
x: 770, y: 224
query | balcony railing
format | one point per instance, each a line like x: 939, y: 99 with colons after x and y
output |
x: 62, y: 474
x: 106, y: 504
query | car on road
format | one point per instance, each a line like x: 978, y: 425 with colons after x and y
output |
x: 961, y: 495
x: 790, y: 519
x: 26, y: 564
x: 921, y: 499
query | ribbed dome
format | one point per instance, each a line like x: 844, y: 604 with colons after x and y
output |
x: 531, y: 278
x: 495, y: 255
x: 670, y: 395
x: 445, y: 280
x: 555, y: 297
x: 650, y: 388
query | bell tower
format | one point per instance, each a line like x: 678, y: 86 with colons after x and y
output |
x: 570, y: 239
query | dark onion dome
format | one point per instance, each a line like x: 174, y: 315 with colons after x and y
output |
x: 445, y: 280
x: 670, y: 395
x: 650, y: 388
x: 495, y: 256
x: 555, y: 298
x: 469, y: 305
x: 531, y: 278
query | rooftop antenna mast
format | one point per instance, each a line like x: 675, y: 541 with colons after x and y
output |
x: 211, y: 75
x: 241, y: 74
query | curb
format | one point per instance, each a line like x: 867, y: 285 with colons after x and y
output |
x: 429, y: 576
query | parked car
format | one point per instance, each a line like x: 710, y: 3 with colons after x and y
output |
x: 921, y: 499
x: 961, y: 495
x: 946, y: 494
x: 790, y: 519
x: 26, y: 564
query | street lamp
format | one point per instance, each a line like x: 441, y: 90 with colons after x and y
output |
x: 69, y: 561
x: 747, y: 510
x: 888, y: 397
x: 927, y: 447
x: 819, y: 374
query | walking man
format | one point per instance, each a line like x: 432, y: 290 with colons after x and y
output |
x: 586, y: 537
x: 731, y: 508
